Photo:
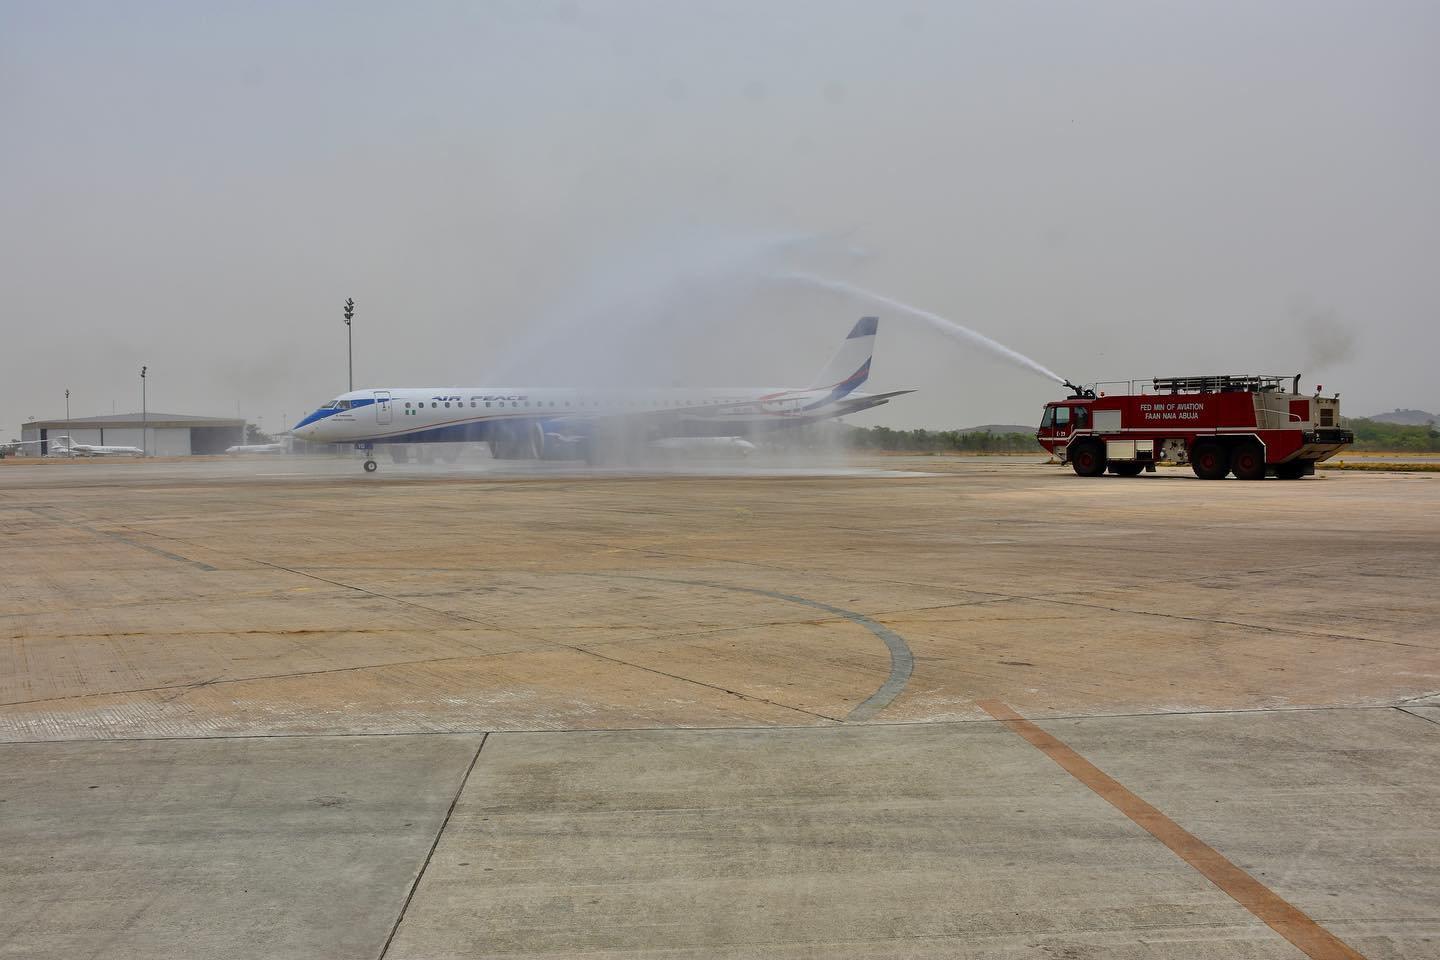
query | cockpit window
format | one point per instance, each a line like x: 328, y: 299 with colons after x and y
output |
x: 342, y: 404
x: 332, y: 405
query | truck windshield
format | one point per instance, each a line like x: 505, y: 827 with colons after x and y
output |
x: 1049, y: 419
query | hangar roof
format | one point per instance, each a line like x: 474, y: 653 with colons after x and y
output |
x: 135, y: 421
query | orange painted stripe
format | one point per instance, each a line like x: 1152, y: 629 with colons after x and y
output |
x: 1282, y: 916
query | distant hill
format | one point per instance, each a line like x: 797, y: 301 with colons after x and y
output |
x: 1408, y: 418
x: 998, y: 428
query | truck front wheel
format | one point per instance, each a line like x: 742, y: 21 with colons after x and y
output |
x: 1247, y: 460
x: 1088, y: 459
x: 1209, y: 462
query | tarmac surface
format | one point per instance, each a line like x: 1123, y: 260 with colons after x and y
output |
x: 923, y: 707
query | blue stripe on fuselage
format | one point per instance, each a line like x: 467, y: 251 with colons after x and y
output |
x: 322, y: 413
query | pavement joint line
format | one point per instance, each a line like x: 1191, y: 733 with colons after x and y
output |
x: 1418, y: 716
x: 1008, y: 596
x: 1216, y: 620
x: 381, y: 596
x: 651, y: 551
x: 218, y: 681
x: 48, y: 514
x: 557, y: 643
x: 712, y: 686
x: 902, y: 661
x: 434, y: 844
x: 1277, y: 913
x: 754, y: 728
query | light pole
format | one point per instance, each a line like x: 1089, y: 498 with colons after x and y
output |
x: 67, y: 408
x: 144, y: 416
x: 350, y: 337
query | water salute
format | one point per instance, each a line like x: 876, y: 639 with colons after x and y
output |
x: 756, y: 481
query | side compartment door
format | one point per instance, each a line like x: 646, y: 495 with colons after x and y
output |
x: 383, y: 411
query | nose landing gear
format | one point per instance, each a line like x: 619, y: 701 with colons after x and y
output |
x: 368, y: 448
x: 370, y: 466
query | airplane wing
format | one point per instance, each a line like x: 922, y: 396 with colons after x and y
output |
x: 856, y: 404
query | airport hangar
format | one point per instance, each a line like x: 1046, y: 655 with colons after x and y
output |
x: 170, y: 434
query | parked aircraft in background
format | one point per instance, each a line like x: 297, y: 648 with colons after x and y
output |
x: 574, y: 423
x: 73, y: 449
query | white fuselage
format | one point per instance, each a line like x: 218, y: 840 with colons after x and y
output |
x: 400, y: 414
x: 71, y: 449
x: 94, y: 450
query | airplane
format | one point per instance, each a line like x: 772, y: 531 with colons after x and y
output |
x: 545, y: 423
x: 73, y: 449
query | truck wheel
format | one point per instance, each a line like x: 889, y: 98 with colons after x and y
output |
x: 1088, y: 459
x: 1209, y: 462
x: 1127, y: 468
x: 1290, y: 471
x: 1248, y: 461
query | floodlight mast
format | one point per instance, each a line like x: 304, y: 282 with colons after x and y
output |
x: 144, y: 417
x: 350, y: 337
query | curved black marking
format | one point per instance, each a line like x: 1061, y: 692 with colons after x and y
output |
x: 902, y: 661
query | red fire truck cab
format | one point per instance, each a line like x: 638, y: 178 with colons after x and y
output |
x: 1251, y: 426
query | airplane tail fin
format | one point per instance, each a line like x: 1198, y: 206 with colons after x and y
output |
x: 850, y: 366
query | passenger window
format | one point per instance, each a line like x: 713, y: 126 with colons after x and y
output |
x: 1081, y: 415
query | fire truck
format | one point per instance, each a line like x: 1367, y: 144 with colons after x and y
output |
x: 1251, y: 426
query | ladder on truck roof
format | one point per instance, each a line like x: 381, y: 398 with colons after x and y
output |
x: 1225, y: 383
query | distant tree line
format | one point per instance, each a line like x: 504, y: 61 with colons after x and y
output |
x: 1369, y: 435
x: 1374, y: 435
x: 939, y: 441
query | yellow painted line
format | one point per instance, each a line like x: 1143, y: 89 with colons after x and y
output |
x: 1282, y: 916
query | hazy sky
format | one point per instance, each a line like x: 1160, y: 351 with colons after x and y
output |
x: 1117, y: 189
